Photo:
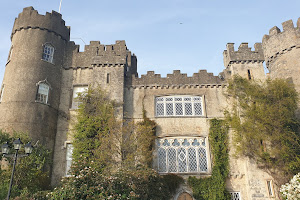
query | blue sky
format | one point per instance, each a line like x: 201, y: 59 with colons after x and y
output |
x: 188, y: 35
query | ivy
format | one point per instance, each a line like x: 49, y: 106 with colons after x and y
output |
x: 112, y: 158
x: 266, y: 128
x: 213, y: 187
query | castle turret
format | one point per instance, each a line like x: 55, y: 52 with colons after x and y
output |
x: 282, y: 52
x: 31, y: 84
x: 246, y: 63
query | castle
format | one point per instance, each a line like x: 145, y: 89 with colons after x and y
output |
x: 45, y: 71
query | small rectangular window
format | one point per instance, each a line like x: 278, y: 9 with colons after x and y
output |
x: 43, y: 93
x: 48, y: 53
x: 107, y: 77
x: 249, y: 74
x: 235, y: 196
x: 76, y: 91
x: 1, y: 92
x: 69, y: 156
x: 270, y: 188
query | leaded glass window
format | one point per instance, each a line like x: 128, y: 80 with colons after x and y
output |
x: 182, y: 155
x: 48, y: 53
x: 235, y: 196
x: 43, y: 93
x: 178, y: 106
x: 69, y: 156
x: 76, y: 91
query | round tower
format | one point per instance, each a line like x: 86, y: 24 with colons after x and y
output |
x: 31, y: 84
x: 282, y: 52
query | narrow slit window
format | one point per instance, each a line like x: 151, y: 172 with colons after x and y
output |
x: 107, y: 78
x: 249, y: 74
x: 270, y: 188
x: 1, y: 93
x: 69, y: 157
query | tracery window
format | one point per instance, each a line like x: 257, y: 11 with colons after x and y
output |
x: 235, y: 196
x: 182, y: 155
x: 48, y: 53
x: 43, y: 92
x: 76, y: 91
x: 166, y: 106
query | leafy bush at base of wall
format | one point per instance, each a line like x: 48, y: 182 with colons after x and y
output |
x: 213, y: 188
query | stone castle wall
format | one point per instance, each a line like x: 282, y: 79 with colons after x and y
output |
x: 114, y: 68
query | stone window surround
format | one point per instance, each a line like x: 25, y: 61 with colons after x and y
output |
x: 51, y: 55
x: 202, y: 101
x: 235, y: 195
x: 270, y: 188
x: 198, y: 172
x: 68, y: 146
x: 44, y: 82
x: 74, y: 95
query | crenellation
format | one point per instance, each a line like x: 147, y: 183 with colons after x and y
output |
x: 288, y: 25
x: 243, y: 54
x: 51, y: 22
x: 114, y: 68
x: 274, y: 31
x: 277, y: 42
x: 176, y: 78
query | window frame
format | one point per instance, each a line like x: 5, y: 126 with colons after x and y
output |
x: 74, y: 103
x: 172, y: 106
x: 38, y: 98
x: 235, y: 192
x: 69, y: 158
x: 182, y: 165
x: 270, y: 188
x: 48, y: 55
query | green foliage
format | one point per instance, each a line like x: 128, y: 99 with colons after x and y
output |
x: 265, y: 124
x: 213, y: 187
x: 111, y: 157
x: 125, y: 184
x: 29, y: 176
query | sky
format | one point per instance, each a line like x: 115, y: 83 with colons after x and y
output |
x: 165, y: 35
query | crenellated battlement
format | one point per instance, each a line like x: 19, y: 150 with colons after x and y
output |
x: 119, y: 48
x: 243, y: 54
x: 176, y: 78
x: 97, y: 54
x: 52, y: 22
x: 279, y: 42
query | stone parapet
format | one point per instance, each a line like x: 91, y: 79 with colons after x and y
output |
x: 51, y: 22
x: 243, y: 54
x: 279, y: 42
x: 177, y: 78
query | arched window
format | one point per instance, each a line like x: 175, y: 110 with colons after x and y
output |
x: 43, y: 92
x: 182, y: 155
x: 48, y: 53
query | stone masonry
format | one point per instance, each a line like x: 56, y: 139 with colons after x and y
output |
x: 38, y: 93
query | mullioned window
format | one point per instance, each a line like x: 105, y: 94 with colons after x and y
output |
x: 182, y: 155
x: 168, y: 106
x: 48, y: 53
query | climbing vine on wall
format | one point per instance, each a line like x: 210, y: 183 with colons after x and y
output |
x: 213, y: 187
